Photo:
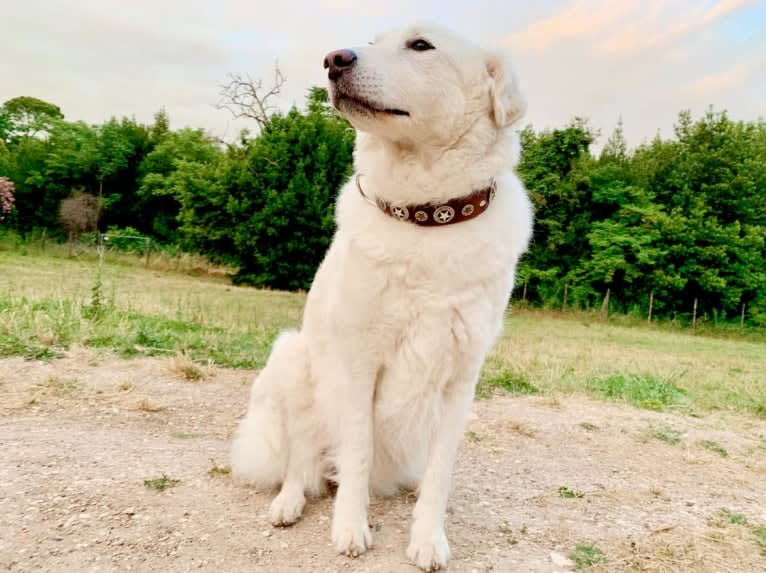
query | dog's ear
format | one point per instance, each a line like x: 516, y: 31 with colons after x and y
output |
x: 507, y: 103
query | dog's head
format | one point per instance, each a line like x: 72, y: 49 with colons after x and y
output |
x: 423, y: 84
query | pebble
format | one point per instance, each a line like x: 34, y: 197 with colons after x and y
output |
x: 560, y: 560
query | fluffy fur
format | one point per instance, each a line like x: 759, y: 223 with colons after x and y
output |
x: 375, y: 388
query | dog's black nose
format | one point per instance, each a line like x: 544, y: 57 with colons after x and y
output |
x: 338, y: 61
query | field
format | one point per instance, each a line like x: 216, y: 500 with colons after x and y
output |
x: 597, y: 445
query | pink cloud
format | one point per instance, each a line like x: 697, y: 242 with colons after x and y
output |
x: 648, y: 33
x: 583, y: 18
x: 718, y: 83
x: 626, y: 27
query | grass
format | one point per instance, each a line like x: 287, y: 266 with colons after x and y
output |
x: 585, y: 556
x: 664, y: 434
x: 725, y: 517
x: 734, y: 518
x: 568, y: 493
x: 161, y: 483
x: 644, y: 391
x: 217, y: 471
x: 760, y: 538
x: 507, y: 380
x: 714, y: 446
x: 46, y: 307
x: 187, y: 369
x: 472, y: 436
x: 145, y: 405
x: 185, y: 435
x: 58, y: 387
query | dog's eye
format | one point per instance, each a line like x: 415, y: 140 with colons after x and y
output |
x: 420, y: 45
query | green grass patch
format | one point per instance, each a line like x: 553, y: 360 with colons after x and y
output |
x: 217, y: 471
x: 568, y: 493
x: 161, y: 483
x: 508, y: 381
x: 12, y: 345
x: 643, y: 391
x: 126, y: 333
x: 726, y: 517
x: 664, y: 434
x: 186, y: 435
x: 589, y: 427
x: 586, y: 556
x: 472, y: 436
x: 760, y: 538
x: 733, y: 518
x: 714, y: 446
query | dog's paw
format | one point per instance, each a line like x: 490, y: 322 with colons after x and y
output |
x: 351, y: 537
x: 286, y: 508
x: 429, y: 551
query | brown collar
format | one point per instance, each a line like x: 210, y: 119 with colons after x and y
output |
x: 440, y: 214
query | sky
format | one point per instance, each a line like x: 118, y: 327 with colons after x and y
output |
x: 641, y: 61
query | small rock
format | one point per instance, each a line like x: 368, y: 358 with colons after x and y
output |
x: 266, y: 533
x: 560, y: 560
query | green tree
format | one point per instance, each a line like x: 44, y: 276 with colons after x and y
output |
x: 554, y: 167
x: 282, y: 195
x: 182, y: 166
x: 25, y: 116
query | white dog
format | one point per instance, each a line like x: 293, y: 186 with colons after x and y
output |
x: 375, y: 389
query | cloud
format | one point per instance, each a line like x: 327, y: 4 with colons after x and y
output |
x: 626, y: 27
x: 600, y: 59
x: 582, y: 19
x: 659, y: 25
x: 720, y: 83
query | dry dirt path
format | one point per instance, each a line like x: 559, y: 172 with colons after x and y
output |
x: 78, y: 437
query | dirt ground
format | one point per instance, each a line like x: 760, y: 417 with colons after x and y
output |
x: 80, y: 435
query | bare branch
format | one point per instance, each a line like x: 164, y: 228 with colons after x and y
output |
x: 244, y: 96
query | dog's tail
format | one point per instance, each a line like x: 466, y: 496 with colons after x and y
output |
x: 260, y: 449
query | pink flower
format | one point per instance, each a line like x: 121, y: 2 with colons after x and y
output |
x: 6, y: 196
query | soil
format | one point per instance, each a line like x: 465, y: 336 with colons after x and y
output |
x: 536, y: 477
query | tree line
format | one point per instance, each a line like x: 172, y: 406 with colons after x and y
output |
x: 674, y: 224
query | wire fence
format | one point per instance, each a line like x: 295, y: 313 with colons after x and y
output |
x: 692, y: 313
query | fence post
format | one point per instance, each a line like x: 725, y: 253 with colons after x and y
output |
x: 742, y: 318
x: 651, y: 304
x: 605, y: 304
x: 100, y: 249
x: 566, y: 292
x: 694, y: 315
x: 524, y: 293
x: 147, y: 246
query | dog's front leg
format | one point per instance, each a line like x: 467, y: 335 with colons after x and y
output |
x: 428, y: 547
x: 350, y: 529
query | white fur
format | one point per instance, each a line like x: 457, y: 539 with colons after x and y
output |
x: 377, y: 385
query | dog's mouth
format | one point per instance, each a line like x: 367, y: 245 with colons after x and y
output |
x: 346, y: 102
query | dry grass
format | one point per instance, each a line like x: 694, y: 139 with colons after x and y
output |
x: 145, y: 405
x: 205, y: 300
x: 58, y: 388
x: 186, y: 369
x: 564, y: 354
x: 723, y: 547
x: 43, y: 304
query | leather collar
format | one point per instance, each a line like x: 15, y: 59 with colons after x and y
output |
x: 436, y: 215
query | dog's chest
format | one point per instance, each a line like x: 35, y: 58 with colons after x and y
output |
x: 430, y: 338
